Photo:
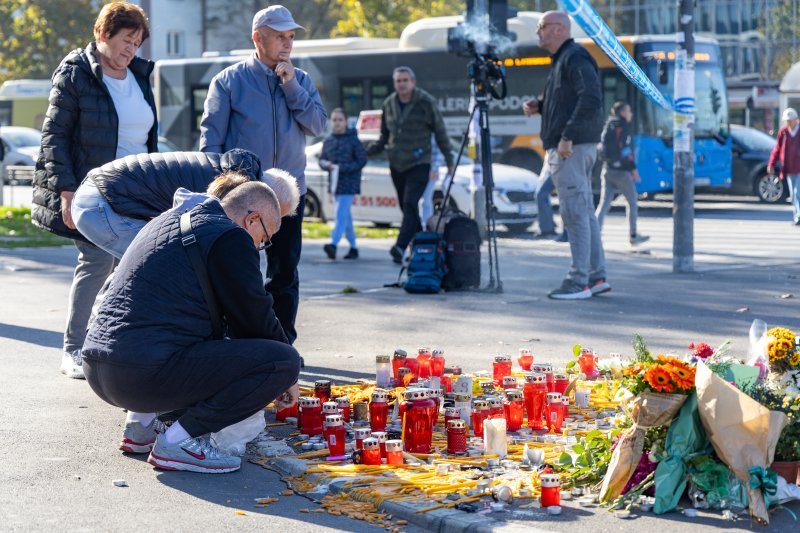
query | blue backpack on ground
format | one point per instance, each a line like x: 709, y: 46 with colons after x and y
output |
x: 426, y: 268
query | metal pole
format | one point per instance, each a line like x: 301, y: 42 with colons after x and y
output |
x: 683, y: 142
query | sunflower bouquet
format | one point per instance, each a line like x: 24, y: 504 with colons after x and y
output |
x: 782, y: 350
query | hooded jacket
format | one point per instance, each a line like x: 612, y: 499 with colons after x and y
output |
x: 80, y: 132
x: 346, y: 151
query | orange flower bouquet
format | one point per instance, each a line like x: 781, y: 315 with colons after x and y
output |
x: 658, y: 386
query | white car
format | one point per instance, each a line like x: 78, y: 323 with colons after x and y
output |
x: 514, y: 195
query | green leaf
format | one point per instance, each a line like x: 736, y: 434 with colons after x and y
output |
x: 564, y: 460
x: 578, y: 449
x: 576, y: 350
x: 582, y: 461
x: 571, y: 364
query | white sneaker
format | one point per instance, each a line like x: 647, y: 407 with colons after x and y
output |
x: 72, y: 365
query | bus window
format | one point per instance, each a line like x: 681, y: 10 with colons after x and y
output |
x: 379, y: 90
x: 615, y: 87
x: 352, y: 97
x: 198, y: 101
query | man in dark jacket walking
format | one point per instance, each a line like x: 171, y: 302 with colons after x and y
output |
x: 153, y: 348
x: 619, y: 173
x: 409, y: 118
x: 571, y: 125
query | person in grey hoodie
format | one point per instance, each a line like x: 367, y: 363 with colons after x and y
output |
x: 266, y: 105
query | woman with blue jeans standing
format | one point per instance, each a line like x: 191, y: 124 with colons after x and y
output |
x: 343, y: 152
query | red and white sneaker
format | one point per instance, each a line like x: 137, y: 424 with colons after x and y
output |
x: 194, y: 455
x: 138, y: 438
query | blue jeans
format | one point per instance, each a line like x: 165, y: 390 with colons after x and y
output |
x: 794, y: 189
x: 546, y: 222
x: 344, y: 220
x: 96, y: 221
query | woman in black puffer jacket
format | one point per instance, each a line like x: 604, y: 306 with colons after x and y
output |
x: 101, y: 108
x: 344, y: 156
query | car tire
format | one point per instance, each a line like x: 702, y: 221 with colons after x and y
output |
x: 518, y: 228
x: 313, y: 208
x: 770, y: 189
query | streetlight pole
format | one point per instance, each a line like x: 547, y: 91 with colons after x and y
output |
x: 683, y: 143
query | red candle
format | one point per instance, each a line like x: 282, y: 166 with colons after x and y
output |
x: 551, y: 490
x: 413, y: 366
x: 525, y: 359
x: 550, y: 379
x: 457, y: 437
x: 509, y: 382
x: 447, y: 383
x: 418, y: 422
x: 535, y: 392
x: 343, y: 403
x: 495, y: 407
x: 555, y: 412
x: 424, y: 360
x: 560, y: 382
x: 361, y: 434
x: 501, y: 368
x: 371, y: 452
x: 398, y: 361
x: 312, y: 416
x: 514, y: 407
x: 335, y: 435
x: 437, y: 363
x: 451, y: 413
x: 381, y: 438
x: 588, y: 361
x: 480, y: 412
x: 378, y: 410
x: 394, y: 452
x: 322, y: 390
x: 286, y: 412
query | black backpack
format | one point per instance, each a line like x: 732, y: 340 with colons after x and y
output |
x: 463, y: 253
x: 426, y: 268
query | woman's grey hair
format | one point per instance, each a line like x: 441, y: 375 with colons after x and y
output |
x: 284, y: 185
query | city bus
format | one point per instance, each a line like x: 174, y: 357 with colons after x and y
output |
x: 359, y: 77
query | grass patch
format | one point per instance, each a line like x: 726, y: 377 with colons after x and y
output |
x: 17, y: 230
x: 321, y: 230
x: 349, y: 290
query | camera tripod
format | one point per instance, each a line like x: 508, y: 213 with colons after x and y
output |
x: 485, y: 76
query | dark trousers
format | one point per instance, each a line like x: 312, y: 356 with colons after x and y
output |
x: 410, y: 185
x: 283, y: 280
x: 219, y: 383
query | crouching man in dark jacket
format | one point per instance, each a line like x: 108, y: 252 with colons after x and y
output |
x: 152, y: 347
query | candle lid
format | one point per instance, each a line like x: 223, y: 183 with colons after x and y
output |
x: 560, y: 376
x: 462, y: 397
x: 438, y: 352
x: 403, y: 370
x: 542, y: 367
x: 494, y: 401
x: 343, y: 400
x: 502, y: 358
x: 423, y: 351
x: 550, y: 480
x: 379, y: 435
x: 322, y: 383
x: 451, y: 411
x: 435, y: 393
x: 362, y: 433
x: 381, y: 358
x: 514, y: 395
x: 509, y: 380
x: 330, y: 407
x: 416, y: 394
x: 370, y: 443
x: 535, y: 378
x: 480, y: 405
x: 394, y: 445
x: 308, y: 401
x: 553, y: 397
x: 565, y: 400
x: 334, y: 420
x: 456, y: 424
x: 379, y: 395
x: 524, y: 351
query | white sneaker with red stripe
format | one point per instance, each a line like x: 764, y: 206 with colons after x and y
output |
x: 138, y: 438
x: 194, y: 455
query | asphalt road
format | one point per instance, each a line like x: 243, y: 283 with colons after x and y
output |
x: 59, y: 440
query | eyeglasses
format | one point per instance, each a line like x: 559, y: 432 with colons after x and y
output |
x: 542, y: 26
x: 263, y: 245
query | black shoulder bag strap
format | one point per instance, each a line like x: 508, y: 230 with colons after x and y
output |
x: 193, y: 251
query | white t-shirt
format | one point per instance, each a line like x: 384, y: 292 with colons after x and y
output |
x: 134, y: 114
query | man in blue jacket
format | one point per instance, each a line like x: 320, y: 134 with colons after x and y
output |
x: 266, y: 105
x: 571, y: 125
x: 153, y: 348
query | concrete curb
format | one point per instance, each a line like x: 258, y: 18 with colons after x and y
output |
x: 440, y: 520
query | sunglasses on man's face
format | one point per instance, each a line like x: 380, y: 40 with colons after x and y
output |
x: 268, y: 238
x: 542, y: 26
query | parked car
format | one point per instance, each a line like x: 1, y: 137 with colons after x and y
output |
x: 514, y: 194
x: 751, y: 149
x: 21, y: 145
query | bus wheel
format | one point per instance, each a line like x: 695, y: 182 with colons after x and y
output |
x: 523, y: 158
x: 312, y: 209
x: 770, y: 189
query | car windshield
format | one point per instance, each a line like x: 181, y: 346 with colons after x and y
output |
x: 23, y: 137
x: 753, y: 139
